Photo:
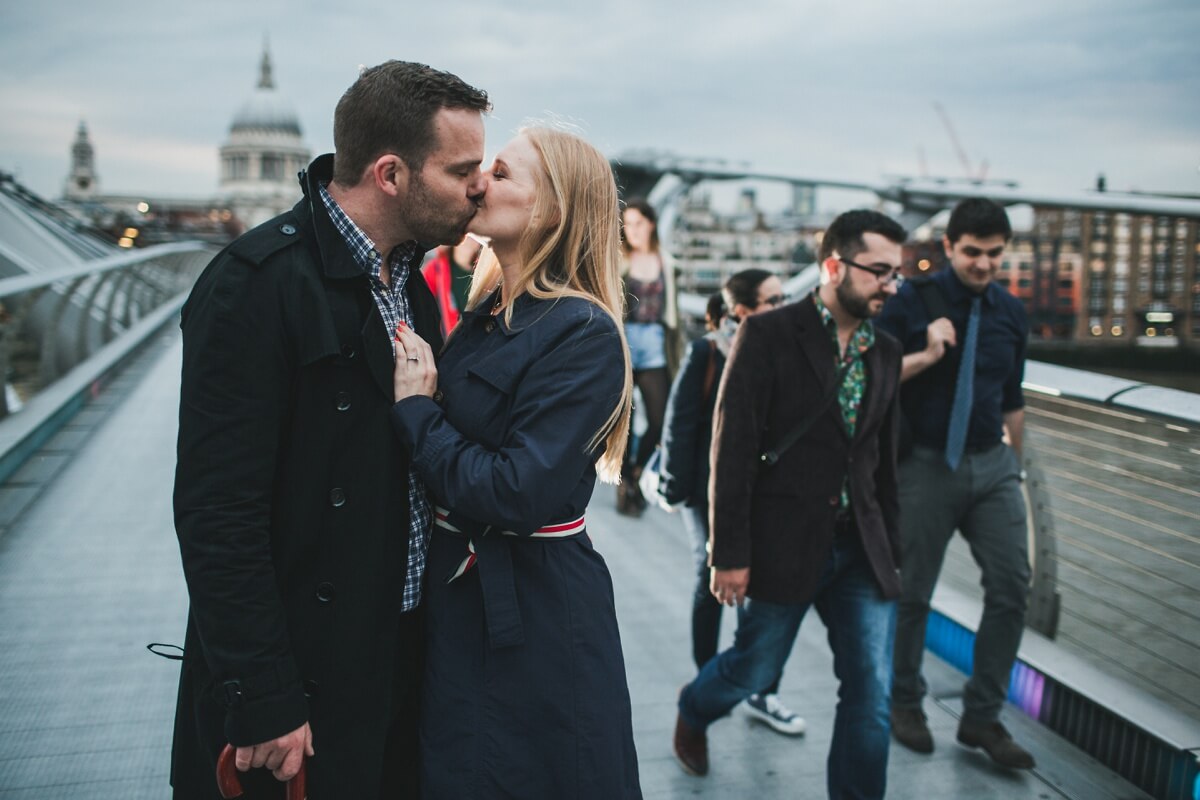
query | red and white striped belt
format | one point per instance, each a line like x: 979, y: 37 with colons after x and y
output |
x: 559, y: 530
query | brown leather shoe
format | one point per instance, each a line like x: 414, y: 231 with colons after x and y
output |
x: 910, y: 729
x: 627, y: 503
x: 691, y: 748
x: 996, y: 741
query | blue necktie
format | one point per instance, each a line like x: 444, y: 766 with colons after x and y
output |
x: 964, y: 391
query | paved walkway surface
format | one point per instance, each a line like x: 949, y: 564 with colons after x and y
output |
x: 89, y: 574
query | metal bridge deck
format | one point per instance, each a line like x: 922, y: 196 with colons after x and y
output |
x: 89, y: 573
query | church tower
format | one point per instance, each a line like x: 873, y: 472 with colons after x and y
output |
x: 264, y: 152
x: 82, y: 183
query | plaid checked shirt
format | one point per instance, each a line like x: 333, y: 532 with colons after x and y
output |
x: 392, y: 302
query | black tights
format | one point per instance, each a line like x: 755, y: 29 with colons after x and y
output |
x: 653, y: 385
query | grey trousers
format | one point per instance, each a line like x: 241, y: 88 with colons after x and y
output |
x: 982, y: 500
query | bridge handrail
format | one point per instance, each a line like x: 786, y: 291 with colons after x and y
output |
x: 1078, y: 384
x: 45, y: 414
x: 25, y: 283
x: 74, y: 326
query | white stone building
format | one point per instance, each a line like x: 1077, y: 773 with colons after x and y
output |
x: 258, y: 166
x: 263, y: 154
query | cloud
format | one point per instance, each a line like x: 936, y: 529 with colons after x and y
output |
x: 1048, y: 93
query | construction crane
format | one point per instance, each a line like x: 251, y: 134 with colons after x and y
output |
x: 970, y: 173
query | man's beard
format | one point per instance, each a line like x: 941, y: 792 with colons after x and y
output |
x: 856, y: 304
x: 429, y: 222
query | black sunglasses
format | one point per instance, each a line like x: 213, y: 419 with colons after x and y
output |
x: 773, y: 300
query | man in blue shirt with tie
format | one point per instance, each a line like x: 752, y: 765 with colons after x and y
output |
x: 962, y: 376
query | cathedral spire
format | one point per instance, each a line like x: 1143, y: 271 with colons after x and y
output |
x: 265, y: 81
x: 82, y: 182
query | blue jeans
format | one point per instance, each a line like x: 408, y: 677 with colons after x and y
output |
x: 861, y: 627
x: 647, y: 345
x: 706, y: 611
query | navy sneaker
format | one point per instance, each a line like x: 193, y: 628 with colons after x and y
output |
x: 767, y: 709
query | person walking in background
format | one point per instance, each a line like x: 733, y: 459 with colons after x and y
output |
x: 525, y: 690
x: 448, y: 274
x: 302, y: 528
x: 962, y: 392
x: 804, y: 508
x: 652, y: 331
x: 687, y: 438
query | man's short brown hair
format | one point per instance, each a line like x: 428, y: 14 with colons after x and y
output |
x: 390, y: 109
x: 844, y: 235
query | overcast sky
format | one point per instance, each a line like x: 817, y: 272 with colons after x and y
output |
x: 1048, y: 93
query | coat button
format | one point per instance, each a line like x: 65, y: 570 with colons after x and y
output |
x: 438, y: 397
x: 325, y: 592
x: 347, y: 351
x: 337, y: 498
x: 490, y: 326
x: 287, y: 230
x: 343, y: 401
x: 310, y: 688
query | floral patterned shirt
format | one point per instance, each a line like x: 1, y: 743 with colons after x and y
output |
x: 854, y: 385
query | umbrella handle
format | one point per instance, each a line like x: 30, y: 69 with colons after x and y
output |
x: 230, y: 786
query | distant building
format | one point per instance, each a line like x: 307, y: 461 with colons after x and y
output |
x: 1098, y: 278
x: 1138, y: 275
x: 82, y: 183
x: 709, y: 246
x: 263, y: 154
x: 258, y: 166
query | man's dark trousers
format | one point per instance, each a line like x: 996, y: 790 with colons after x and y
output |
x: 983, y: 500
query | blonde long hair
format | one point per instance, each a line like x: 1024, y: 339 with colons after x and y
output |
x: 577, y: 254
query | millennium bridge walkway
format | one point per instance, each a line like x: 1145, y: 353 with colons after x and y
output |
x: 1106, y: 690
x: 89, y: 574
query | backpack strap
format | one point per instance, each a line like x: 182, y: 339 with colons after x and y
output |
x: 932, y: 297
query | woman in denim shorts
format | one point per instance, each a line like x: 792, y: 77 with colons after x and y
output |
x: 651, y: 327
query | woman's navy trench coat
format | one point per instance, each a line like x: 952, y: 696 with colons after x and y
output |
x: 525, y: 692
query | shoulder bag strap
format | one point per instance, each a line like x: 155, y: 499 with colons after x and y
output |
x: 770, y: 457
x: 710, y: 370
